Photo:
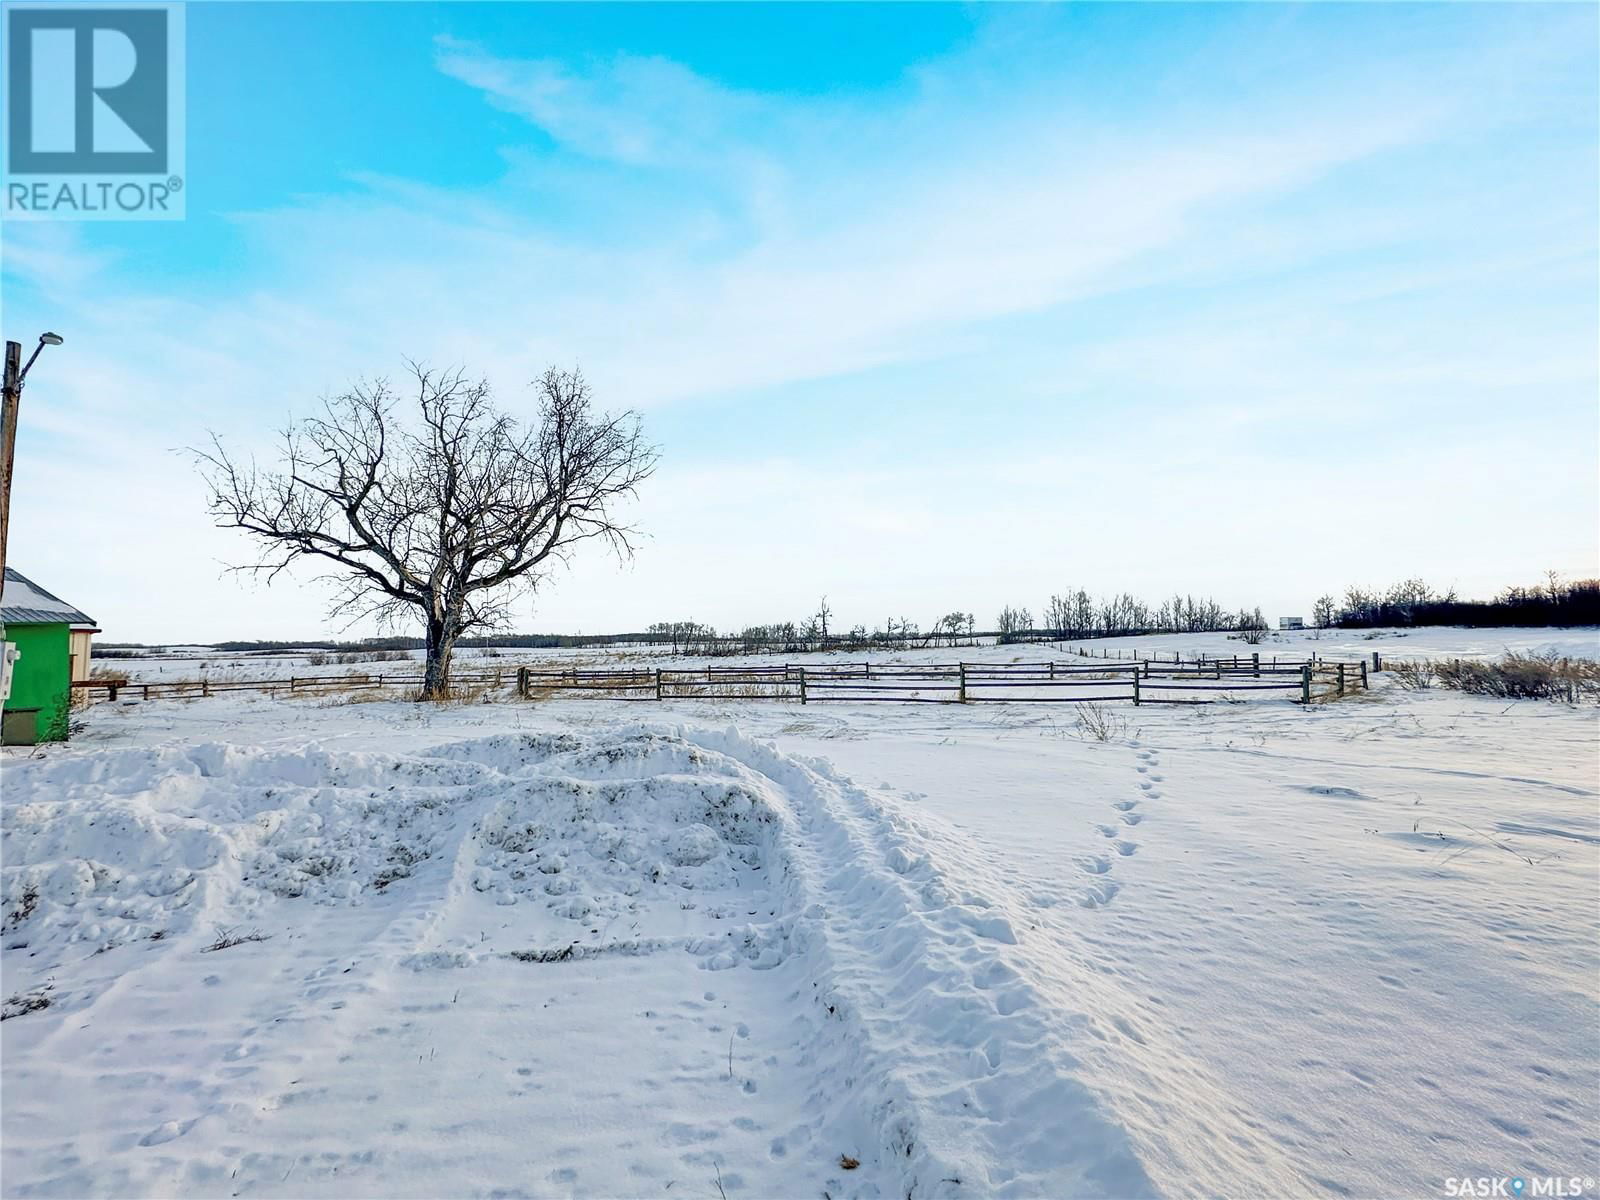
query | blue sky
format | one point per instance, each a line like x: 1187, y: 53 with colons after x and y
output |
x: 928, y: 306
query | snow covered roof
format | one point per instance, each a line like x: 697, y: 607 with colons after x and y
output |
x: 23, y: 602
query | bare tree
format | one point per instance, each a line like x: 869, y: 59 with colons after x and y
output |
x: 1058, y: 615
x: 451, y: 515
x: 949, y: 627
x: 1013, y: 622
x: 821, y: 619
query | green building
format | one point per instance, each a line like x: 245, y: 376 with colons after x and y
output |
x: 52, y: 643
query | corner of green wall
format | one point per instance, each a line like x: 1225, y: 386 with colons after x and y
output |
x: 42, y: 678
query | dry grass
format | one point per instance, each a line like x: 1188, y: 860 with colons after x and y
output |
x: 227, y: 939
x: 372, y: 695
x: 344, y: 689
x: 22, y: 1003
x: 1100, y: 722
x: 1524, y: 677
x: 1415, y: 676
x: 481, y: 692
x: 26, y: 903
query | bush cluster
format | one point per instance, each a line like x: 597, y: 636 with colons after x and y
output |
x: 1523, y: 677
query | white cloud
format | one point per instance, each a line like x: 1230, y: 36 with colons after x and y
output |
x: 736, y: 242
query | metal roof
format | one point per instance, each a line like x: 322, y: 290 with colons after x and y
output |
x: 23, y: 602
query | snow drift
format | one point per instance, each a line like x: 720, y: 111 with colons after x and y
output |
x: 914, y: 1048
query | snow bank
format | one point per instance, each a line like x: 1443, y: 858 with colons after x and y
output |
x: 915, y: 1043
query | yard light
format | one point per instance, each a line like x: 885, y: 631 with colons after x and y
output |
x: 45, y: 339
x: 15, y: 373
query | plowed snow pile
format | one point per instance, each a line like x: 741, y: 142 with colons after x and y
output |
x: 611, y: 965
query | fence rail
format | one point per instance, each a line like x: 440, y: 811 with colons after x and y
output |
x: 1144, y: 681
x: 175, y: 689
x: 1113, y: 678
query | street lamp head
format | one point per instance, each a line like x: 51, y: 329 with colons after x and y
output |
x: 15, y: 378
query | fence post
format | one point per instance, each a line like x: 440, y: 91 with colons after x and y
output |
x: 658, y: 683
x: 1136, y: 686
x: 291, y: 683
x: 962, y: 685
x: 1255, y: 661
x: 205, y: 687
x: 1305, y: 684
x: 1364, y: 677
x: 1377, y: 663
x: 1341, y: 679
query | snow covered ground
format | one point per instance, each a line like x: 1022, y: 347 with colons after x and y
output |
x: 708, y: 948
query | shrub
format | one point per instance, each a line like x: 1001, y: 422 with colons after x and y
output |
x: 1100, y: 722
x: 1524, y: 677
x: 1413, y: 676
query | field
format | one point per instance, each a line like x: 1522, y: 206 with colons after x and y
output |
x: 316, y: 946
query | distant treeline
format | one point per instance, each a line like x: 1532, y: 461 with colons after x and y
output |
x: 530, y: 641
x: 1414, y: 603
x: 1073, y: 615
x: 1070, y: 615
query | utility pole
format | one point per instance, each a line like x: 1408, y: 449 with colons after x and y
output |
x: 8, y: 442
x: 16, y: 375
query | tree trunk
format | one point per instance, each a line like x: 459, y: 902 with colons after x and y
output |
x: 443, y: 629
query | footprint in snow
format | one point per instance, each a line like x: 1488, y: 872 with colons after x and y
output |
x: 1131, y: 818
x: 995, y: 928
x: 1109, y: 831
x: 1097, y: 864
x: 1098, y: 895
x: 1127, y: 848
x: 165, y: 1132
x: 1124, y: 805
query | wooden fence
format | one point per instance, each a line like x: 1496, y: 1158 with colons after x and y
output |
x: 1140, y: 681
x: 189, y: 689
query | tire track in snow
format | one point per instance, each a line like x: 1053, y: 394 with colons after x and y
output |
x: 1087, y: 1092
x: 973, y: 1091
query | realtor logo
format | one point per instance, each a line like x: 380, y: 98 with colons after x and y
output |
x: 93, y: 123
